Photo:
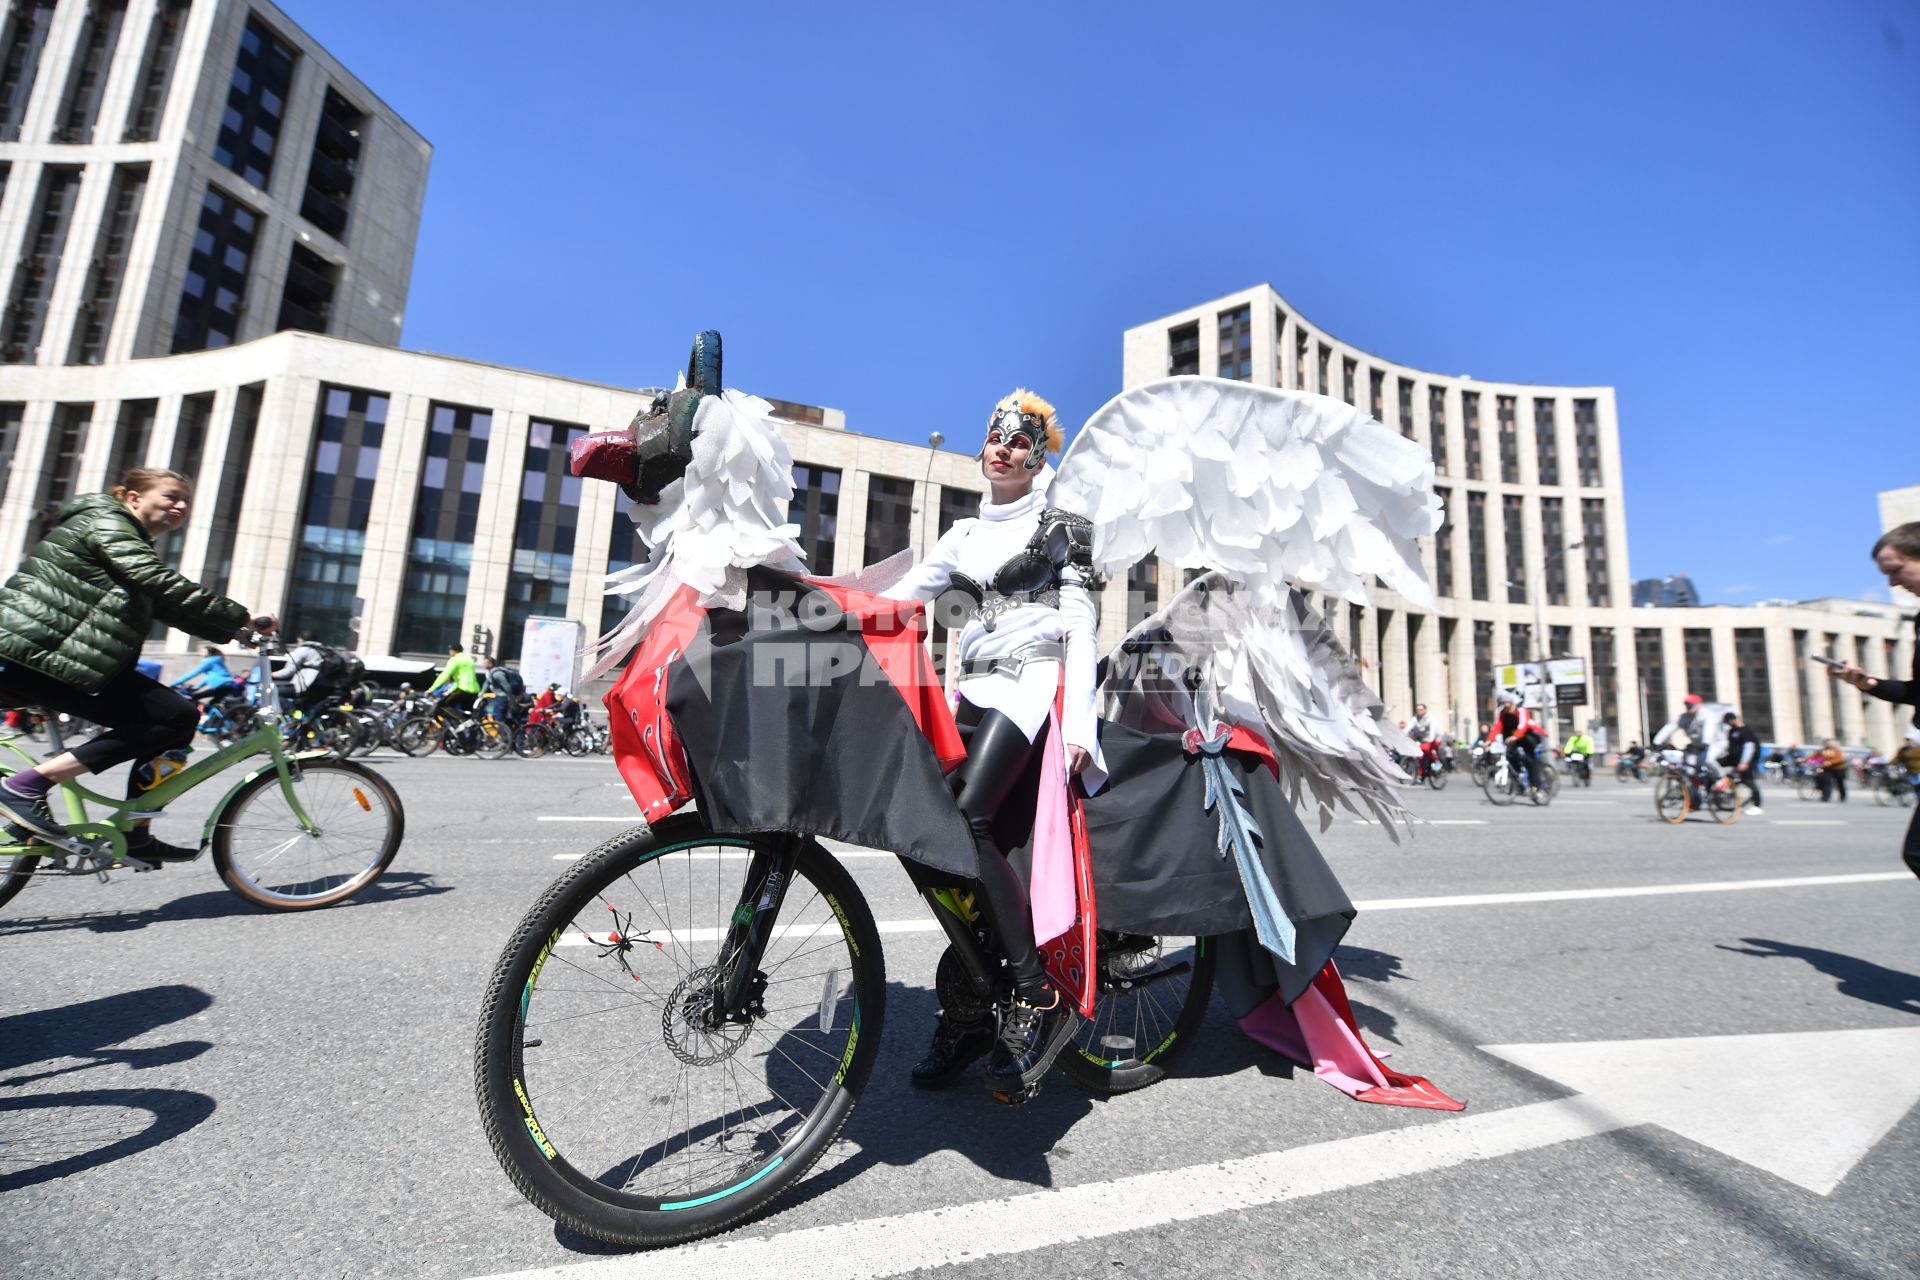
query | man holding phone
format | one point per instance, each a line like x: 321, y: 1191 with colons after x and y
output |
x: 1897, y: 555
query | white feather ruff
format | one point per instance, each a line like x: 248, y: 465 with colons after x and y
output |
x: 725, y: 516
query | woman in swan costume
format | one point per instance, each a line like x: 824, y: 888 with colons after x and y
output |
x: 1235, y: 693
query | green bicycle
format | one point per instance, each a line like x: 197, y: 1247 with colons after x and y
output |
x: 299, y: 831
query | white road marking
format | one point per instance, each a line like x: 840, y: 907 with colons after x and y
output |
x: 1829, y: 1124
x: 1586, y: 802
x: 627, y: 818
x: 1456, y: 822
x: 1805, y: 822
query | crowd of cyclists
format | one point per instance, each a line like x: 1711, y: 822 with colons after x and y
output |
x: 1708, y: 754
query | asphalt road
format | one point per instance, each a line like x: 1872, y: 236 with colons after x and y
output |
x: 192, y: 1087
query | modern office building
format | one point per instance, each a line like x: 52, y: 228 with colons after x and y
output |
x: 1533, y: 557
x: 206, y: 232
x: 1676, y: 592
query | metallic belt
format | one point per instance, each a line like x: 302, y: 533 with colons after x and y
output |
x: 1013, y: 663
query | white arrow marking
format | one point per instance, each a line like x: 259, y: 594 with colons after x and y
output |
x: 1805, y: 1106
x: 1767, y: 1098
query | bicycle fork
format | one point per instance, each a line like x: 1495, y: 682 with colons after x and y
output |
x: 738, y: 984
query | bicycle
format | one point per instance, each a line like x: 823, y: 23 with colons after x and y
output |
x: 757, y: 959
x: 1893, y: 788
x: 1432, y: 770
x: 300, y: 831
x: 1684, y: 787
x: 1505, y: 782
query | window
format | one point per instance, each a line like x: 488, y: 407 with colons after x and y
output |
x: 1698, y: 643
x: 1553, y: 550
x: 60, y: 470
x: 1376, y: 394
x: 26, y: 37
x: 1143, y: 590
x: 625, y: 548
x: 452, y: 476
x: 1437, y: 427
x: 24, y: 322
x: 307, y: 301
x: 1833, y: 689
x: 109, y: 266
x: 957, y: 505
x: 1349, y: 376
x: 256, y: 100
x: 336, y: 154
x: 81, y: 105
x: 1802, y: 659
x: 1324, y: 387
x: 1755, y: 680
x: 1443, y: 548
x: 214, y: 294
x: 1546, y: 441
x: 1586, y: 442
x: 1470, y: 428
x: 1477, y: 543
x: 1483, y: 664
x: 1406, y: 407
x: 190, y: 433
x: 1593, y: 533
x: 333, y: 515
x: 130, y: 437
x: 1279, y: 347
x: 1183, y: 348
x: 1603, y: 670
x: 1300, y: 343
x: 156, y: 72
x: 1559, y: 642
x: 1236, y: 343
x: 541, y: 575
x: 816, y: 509
x: 12, y: 415
x: 1649, y: 654
x: 1509, y: 439
x: 889, y: 518
x: 1514, y: 525
x: 1520, y: 642
x: 224, y: 527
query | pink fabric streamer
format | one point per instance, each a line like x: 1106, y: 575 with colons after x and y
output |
x: 1054, y: 901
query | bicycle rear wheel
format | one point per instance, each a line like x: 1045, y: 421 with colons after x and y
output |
x: 15, y: 871
x: 611, y: 1103
x: 1723, y: 804
x: 492, y: 740
x: 1152, y: 996
x: 265, y: 855
x: 531, y: 741
x: 1499, y: 784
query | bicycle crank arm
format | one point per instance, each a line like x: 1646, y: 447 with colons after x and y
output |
x: 1133, y: 981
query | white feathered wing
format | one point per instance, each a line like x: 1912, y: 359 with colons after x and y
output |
x: 1277, y: 490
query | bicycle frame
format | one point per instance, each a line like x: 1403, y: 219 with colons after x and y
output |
x: 86, y: 834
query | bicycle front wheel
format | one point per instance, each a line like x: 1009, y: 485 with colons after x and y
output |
x: 264, y: 853
x: 15, y: 871
x: 1670, y: 799
x: 1151, y: 997
x: 1499, y: 785
x: 615, y: 1105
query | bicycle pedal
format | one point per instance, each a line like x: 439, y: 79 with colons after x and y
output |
x: 1016, y: 1097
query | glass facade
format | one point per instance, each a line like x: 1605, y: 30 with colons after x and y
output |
x: 541, y: 574
x: 307, y: 300
x: 156, y: 71
x: 1603, y: 670
x: 330, y: 174
x: 957, y: 505
x: 131, y: 435
x: 1443, y: 548
x: 1406, y: 407
x: 1586, y: 441
x: 1143, y: 589
x: 1482, y: 671
x: 1300, y: 358
x: 889, y: 518
x: 224, y: 527
x: 1437, y: 427
x: 1698, y: 643
x: 24, y: 322
x: 1755, y: 680
x: 1553, y: 550
x: 1377, y: 394
x: 1322, y: 385
x: 12, y: 415
x: 256, y: 101
x: 1509, y: 433
x: 624, y: 550
x: 109, y: 265
x: 60, y: 471
x: 215, y: 290
x: 1349, y: 378
x: 1513, y: 523
x: 1470, y: 431
x: 1236, y: 343
x: 1183, y: 349
x: 80, y: 105
x: 1650, y: 655
x: 333, y: 515
x: 452, y: 475
x: 816, y: 509
x: 1593, y: 532
x: 1546, y: 441
x: 25, y: 37
x: 1477, y: 544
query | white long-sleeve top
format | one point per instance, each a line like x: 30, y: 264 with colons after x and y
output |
x: 977, y: 548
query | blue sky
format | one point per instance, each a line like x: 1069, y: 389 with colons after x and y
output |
x: 904, y: 209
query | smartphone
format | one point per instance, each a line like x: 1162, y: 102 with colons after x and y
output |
x: 1825, y: 661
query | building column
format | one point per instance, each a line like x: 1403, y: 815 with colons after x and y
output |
x: 1787, y: 726
x: 1396, y: 667
x: 103, y: 431
x: 1879, y: 725
x: 1632, y: 725
x: 493, y: 534
x: 850, y: 537
x: 206, y: 492
x: 1726, y: 667
x: 396, y: 492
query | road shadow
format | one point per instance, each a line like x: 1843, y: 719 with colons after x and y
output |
x: 89, y: 1030
x: 55, y: 1135
x: 1854, y: 977
x: 218, y: 904
x: 1364, y: 964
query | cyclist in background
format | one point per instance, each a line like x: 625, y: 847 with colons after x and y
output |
x: 1742, y: 757
x: 1578, y: 750
x: 72, y: 620
x: 212, y: 673
x: 1515, y: 725
x: 1421, y: 730
x: 460, y: 676
x: 496, y: 690
x: 1702, y: 731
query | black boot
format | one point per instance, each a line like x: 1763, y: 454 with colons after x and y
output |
x: 141, y: 844
x: 1031, y: 1037
x: 955, y: 1044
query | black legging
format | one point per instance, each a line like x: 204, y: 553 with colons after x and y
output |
x: 143, y: 717
x: 1910, y: 851
x: 997, y: 756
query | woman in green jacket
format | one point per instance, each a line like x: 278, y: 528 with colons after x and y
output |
x: 72, y: 620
